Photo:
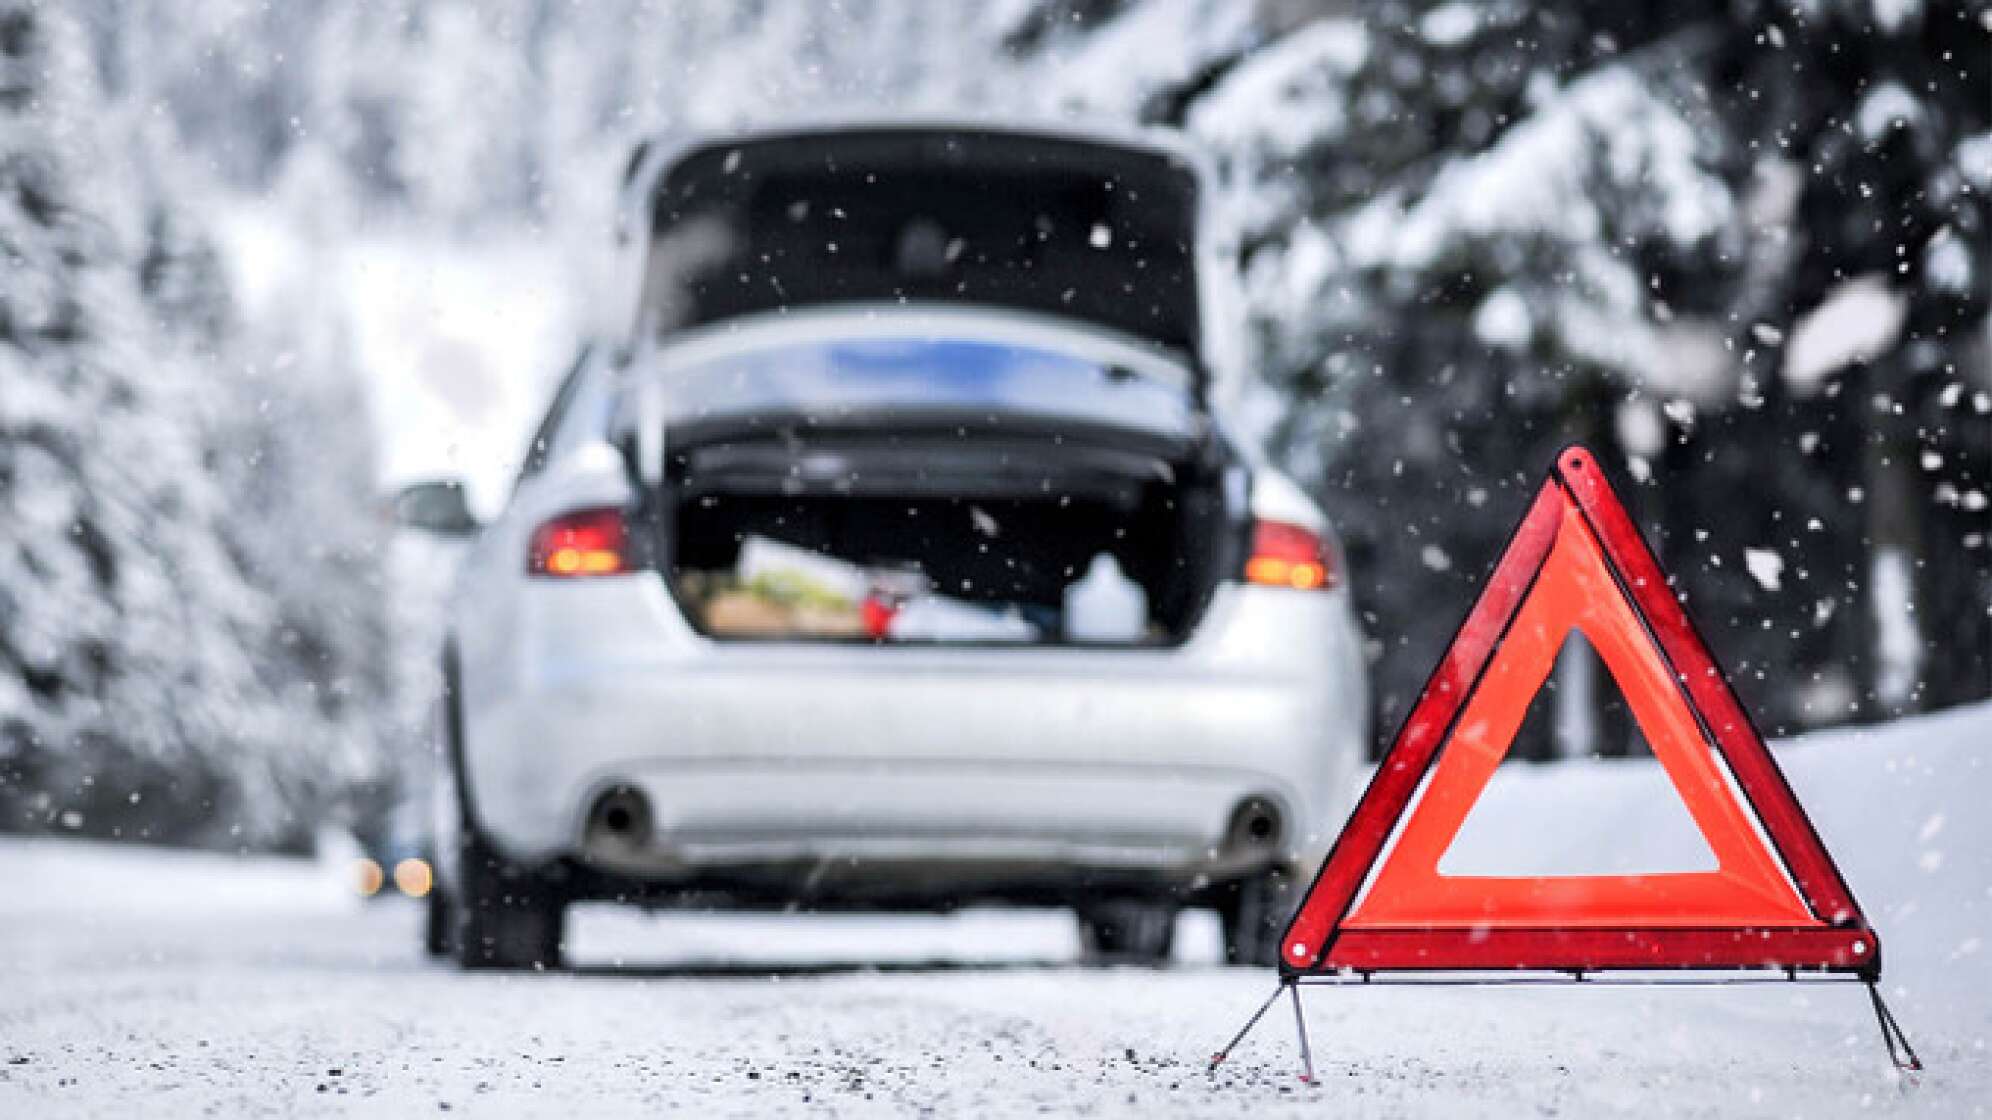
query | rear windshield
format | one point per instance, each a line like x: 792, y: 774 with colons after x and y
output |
x: 828, y: 381
x: 1087, y: 230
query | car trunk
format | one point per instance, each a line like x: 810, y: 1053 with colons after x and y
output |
x: 948, y: 534
x: 942, y: 374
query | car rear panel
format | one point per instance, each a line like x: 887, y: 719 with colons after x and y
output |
x: 750, y: 753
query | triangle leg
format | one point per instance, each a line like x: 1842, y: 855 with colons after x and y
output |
x: 1217, y: 1059
x: 1900, y: 1052
x: 1300, y: 1025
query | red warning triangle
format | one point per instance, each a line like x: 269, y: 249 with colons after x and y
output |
x: 1577, y: 563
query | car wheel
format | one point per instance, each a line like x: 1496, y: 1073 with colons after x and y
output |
x: 436, y: 931
x: 505, y: 917
x: 1254, y: 915
x: 498, y: 915
x: 1127, y: 932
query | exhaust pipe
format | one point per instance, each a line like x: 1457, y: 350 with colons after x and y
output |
x: 1256, y: 827
x: 620, y: 821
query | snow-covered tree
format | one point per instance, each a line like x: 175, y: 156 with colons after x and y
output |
x: 1475, y: 229
x: 178, y: 657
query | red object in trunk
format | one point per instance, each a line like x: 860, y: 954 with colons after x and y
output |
x: 877, y: 616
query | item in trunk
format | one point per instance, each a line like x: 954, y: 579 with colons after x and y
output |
x: 937, y: 618
x: 1104, y: 605
x: 799, y: 574
x: 739, y: 613
x: 750, y: 612
x: 778, y: 591
x: 1167, y: 537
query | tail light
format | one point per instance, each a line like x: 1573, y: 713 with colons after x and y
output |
x: 587, y: 542
x: 1287, y: 555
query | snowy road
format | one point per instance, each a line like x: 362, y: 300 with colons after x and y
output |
x: 165, y: 984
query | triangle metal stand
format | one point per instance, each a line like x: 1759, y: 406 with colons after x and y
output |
x: 1905, y: 1058
x: 1288, y: 986
x: 1900, y: 1053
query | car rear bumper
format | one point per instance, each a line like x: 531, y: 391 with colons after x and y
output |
x: 1027, y: 765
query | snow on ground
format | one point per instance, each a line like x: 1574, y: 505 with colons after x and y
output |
x: 174, y: 984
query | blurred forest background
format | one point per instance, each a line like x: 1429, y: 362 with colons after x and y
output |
x: 1738, y: 246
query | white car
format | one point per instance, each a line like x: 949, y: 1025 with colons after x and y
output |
x: 897, y: 559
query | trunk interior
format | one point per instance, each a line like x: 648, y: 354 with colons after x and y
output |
x: 950, y: 535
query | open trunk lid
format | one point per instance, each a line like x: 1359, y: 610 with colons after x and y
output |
x: 1098, y: 231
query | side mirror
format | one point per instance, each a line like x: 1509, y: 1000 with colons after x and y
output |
x: 437, y: 507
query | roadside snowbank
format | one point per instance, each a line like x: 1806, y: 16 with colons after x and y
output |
x: 47, y: 879
x: 1905, y: 809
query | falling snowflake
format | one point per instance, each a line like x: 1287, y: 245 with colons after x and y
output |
x: 1765, y: 567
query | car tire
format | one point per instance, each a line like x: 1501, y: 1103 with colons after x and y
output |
x: 506, y: 918
x: 497, y: 915
x: 1127, y: 932
x: 437, y: 934
x: 1254, y: 914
